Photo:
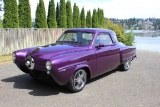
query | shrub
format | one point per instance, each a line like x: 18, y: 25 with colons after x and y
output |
x: 120, y: 32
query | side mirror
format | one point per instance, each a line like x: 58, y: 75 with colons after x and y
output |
x: 100, y: 45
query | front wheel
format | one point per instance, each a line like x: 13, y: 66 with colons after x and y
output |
x: 126, y: 65
x: 77, y: 81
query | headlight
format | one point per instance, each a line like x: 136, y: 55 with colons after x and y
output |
x: 14, y: 57
x: 48, y: 65
x: 30, y: 62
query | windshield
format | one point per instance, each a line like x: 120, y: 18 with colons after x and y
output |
x: 82, y: 38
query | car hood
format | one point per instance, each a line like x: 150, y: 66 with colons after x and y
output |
x: 44, y: 53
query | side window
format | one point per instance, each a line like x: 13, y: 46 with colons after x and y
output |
x: 104, y: 39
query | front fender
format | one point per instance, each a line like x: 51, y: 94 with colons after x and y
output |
x: 20, y: 58
x: 63, y: 74
x: 83, y: 65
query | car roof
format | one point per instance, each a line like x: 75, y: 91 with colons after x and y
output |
x: 100, y: 30
x: 91, y: 29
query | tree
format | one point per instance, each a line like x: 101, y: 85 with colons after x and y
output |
x: 57, y: 14
x: 1, y: 26
x: 119, y: 30
x: 51, y: 19
x: 40, y: 21
x: 76, y: 17
x: 88, y: 19
x: 83, y: 18
x: 100, y: 15
x: 101, y: 18
x: 1, y: 9
x: 25, y: 20
x: 130, y: 38
x: 94, y: 19
x: 10, y: 14
x: 69, y: 15
x: 62, y: 15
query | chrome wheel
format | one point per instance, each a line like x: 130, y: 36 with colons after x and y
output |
x: 79, y: 79
x: 127, y: 64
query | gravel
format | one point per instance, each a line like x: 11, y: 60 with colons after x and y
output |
x: 138, y: 87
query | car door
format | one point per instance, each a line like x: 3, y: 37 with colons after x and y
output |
x: 107, y: 54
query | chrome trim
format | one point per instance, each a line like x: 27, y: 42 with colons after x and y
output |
x: 13, y: 57
x: 62, y: 70
x: 30, y: 63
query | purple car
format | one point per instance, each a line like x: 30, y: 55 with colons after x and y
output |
x: 78, y: 55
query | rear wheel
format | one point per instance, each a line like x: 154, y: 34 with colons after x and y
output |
x: 126, y: 65
x: 77, y: 81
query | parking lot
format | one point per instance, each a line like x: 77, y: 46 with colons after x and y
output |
x: 138, y: 87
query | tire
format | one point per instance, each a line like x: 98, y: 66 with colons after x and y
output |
x: 77, y: 81
x: 126, y: 65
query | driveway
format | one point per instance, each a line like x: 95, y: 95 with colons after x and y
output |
x: 138, y: 87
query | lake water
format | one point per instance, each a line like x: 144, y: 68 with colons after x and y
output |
x: 147, y: 43
x: 140, y: 31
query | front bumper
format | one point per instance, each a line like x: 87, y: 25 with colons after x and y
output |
x: 59, y: 76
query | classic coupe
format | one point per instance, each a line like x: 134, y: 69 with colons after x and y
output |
x: 78, y: 55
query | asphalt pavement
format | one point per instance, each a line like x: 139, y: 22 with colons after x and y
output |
x: 138, y: 87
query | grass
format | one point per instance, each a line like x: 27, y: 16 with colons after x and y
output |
x: 5, y: 60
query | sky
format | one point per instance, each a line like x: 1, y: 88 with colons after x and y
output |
x: 122, y: 9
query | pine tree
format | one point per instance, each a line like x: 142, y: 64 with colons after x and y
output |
x: 94, y: 19
x: 10, y: 14
x: 51, y: 19
x: 62, y: 15
x: 102, y: 16
x: 40, y: 21
x: 99, y: 16
x: 69, y: 15
x: 83, y: 18
x: 89, y: 19
x: 25, y: 20
x: 76, y: 17
x: 57, y: 14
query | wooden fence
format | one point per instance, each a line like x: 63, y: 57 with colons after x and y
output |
x: 15, y: 39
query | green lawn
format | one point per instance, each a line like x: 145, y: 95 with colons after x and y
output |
x: 5, y: 60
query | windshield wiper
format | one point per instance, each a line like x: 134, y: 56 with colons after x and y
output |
x: 71, y: 42
x: 77, y: 42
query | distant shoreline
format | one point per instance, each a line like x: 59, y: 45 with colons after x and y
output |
x: 145, y: 33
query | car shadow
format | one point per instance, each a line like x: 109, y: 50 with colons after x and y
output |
x: 103, y: 75
x: 37, y: 87
x: 44, y: 88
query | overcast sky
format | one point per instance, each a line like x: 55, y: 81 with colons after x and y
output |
x: 114, y: 8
